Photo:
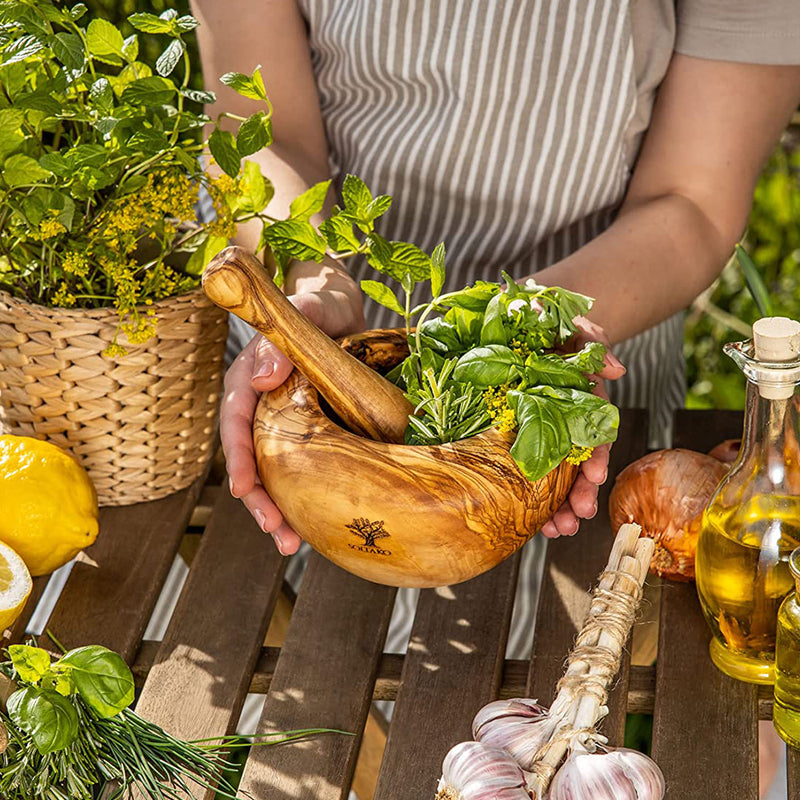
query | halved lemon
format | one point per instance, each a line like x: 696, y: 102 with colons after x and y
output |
x: 15, y: 586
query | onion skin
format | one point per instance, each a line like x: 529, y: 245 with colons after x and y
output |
x: 666, y: 492
x: 726, y: 451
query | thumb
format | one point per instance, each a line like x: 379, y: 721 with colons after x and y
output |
x: 270, y: 366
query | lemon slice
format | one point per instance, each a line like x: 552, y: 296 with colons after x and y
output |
x: 15, y: 586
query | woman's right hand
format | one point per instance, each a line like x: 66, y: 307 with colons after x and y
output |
x: 261, y: 367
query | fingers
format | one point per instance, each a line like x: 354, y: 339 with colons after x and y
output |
x: 595, y: 469
x: 563, y: 523
x: 270, y: 520
x: 236, y: 422
x: 270, y: 366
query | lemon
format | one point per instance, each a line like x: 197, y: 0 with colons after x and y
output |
x: 15, y: 586
x: 48, y: 506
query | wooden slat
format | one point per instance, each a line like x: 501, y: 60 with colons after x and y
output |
x: 324, y: 678
x: 571, y: 570
x: 452, y: 668
x: 793, y: 773
x: 203, y: 667
x: 114, y: 585
x: 691, y: 694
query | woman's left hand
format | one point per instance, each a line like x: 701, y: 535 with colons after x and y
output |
x: 582, y: 500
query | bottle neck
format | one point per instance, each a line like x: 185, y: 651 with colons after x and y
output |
x: 770, y: 439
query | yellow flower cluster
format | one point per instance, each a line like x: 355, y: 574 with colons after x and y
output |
x: 48, y: 228
x: 63, y: 298
x: 578, y: 455
x: 223, y: 190
x: 497, y: 405
x: 75, y: 263
x: 520, y: 348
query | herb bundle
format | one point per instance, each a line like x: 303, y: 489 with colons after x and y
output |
x: 71, y: 735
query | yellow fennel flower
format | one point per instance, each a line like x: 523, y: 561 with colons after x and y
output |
x: 578, y: 455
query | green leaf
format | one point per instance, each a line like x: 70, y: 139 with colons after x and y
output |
x: 490, y: 365
x: 102, y: 678
x: 202, y: 256
x: 543, y: 439
x: 104, y: 39
x: 186, y: 23
x: 437, y: 270
x: 377, y: 207
x: 150, y: 91
x: 256, y: 190
x: 356, y: 196
x: 310, y: 202
x: 21, y: 49
x: 493, y: 330
x: 32, y: 663
x: 10, y: 120
x: 591, y: 420
x: 68, y: 49
x: 295, y: 239
x: 380, y: 255
x: 552, y: 370
x: 223, y: 147
x: 130, y: 48
x: 338, y: 232
x: 22, y: 170
x: 590, y: 360
x: 77, y: 11
x: 149, y: 23
x: 198, y: 96
x: 441, y: 336
x: 55, y: 163
x: 382, y: 294
x: 49, y: 718
x: 473, y: 298
x: 169, y: 59
x: 755, y: 283
x: 254, y: 133
x: 247, y: 86
x: 408, y: 258
x: 101, y: 95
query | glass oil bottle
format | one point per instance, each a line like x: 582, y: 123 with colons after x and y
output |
x: 752, y: 523
x: 786, y: 709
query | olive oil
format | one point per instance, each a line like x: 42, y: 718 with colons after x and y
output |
x: 742, y: 578
x: 752, y: 523
x: 786, y: 708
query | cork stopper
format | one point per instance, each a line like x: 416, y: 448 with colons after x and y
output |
x: 776, y: 340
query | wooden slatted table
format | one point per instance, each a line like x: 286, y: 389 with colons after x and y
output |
x: 331, y: 665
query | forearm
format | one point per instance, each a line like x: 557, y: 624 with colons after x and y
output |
x: 652, y: 261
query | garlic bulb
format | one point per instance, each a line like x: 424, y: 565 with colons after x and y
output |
x: 666, y: 493
x: 619, y: 774
x: 727, y: 452
x: 520, y: 726
x: 473, y: 771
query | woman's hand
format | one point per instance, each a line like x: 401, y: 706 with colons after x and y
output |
x: 582, y: 500
x: 261, y: 367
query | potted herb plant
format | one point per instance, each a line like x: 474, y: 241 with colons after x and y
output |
x: 107, y: 346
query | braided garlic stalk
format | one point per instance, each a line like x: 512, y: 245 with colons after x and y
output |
x: 519, y: 744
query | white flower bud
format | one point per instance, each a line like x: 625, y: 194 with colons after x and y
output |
x: 520, y: 726
x: 518, y: 304
x: 619, y: 774
x: 473, y: 771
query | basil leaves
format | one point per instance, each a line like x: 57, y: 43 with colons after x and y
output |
x: 41, y: 708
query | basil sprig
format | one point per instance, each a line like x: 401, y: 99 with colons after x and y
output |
x: 40, y: 706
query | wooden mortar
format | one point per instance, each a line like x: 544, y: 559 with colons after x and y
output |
x: 387, y: 512
x: 392, y: 513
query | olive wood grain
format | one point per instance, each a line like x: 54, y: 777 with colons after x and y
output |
x: 394, y: 514
x: 367, y: 403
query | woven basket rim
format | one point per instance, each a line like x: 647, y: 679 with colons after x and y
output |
x: 99, y: 313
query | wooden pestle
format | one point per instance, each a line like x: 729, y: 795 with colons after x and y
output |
x: 365, y: 401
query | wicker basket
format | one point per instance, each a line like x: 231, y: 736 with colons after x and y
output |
x: 142, y: 424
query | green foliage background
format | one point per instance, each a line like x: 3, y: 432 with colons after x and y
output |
x: 722, y: 314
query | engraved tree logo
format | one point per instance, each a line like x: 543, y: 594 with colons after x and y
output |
x: 368, y: 531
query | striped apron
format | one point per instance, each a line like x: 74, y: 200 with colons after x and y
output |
x: 503, y: 129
